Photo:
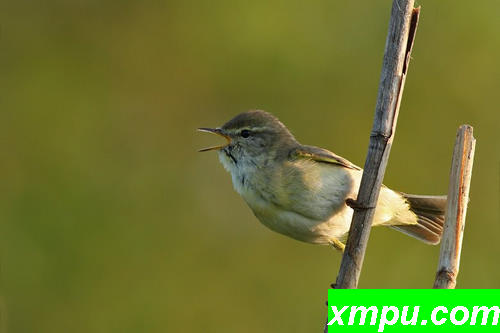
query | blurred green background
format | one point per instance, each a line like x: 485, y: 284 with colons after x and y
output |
x: 110, y: 221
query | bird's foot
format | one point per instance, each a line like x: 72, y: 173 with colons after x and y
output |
x: 356, y: 205
x: 337, y: 244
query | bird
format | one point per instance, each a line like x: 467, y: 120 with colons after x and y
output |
x: 303, y: 191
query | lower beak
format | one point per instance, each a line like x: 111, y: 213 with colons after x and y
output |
x: 217, y: 131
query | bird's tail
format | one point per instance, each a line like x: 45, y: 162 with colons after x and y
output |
x: 430, y: 217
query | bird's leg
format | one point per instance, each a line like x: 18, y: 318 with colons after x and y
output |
x: 337, y: 244
x: 354, y: 204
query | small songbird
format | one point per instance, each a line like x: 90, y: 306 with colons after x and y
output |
x: 301, y: 191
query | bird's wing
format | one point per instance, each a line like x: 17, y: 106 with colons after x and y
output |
x: 315, y: 183
x: 321, y: 155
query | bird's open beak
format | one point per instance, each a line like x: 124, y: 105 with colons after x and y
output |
x: 217, y: 131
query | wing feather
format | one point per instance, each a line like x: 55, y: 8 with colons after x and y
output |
x: 322, y: 155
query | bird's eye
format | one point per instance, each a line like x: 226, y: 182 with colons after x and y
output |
x: 245, y: 133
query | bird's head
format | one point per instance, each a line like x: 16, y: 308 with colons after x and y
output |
x: 252, y: 137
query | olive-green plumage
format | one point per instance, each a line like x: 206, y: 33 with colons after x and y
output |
x: 301, y: 191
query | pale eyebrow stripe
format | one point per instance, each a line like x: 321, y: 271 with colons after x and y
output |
x: 258, y: 129
x: 252, y: 129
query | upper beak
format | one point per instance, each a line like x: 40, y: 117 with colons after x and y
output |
x: 217, y: 131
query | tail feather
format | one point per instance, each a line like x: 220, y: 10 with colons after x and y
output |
x: 430, y: 217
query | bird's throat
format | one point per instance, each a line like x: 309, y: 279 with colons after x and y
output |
x: 241, y: 169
